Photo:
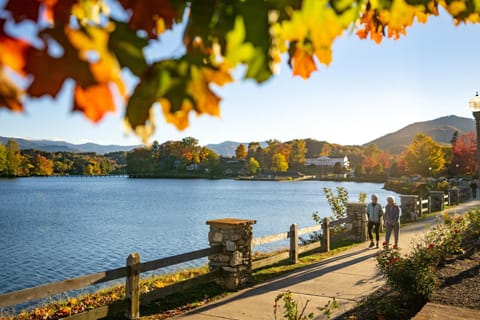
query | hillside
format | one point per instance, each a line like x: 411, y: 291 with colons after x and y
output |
x: 441, y: 130
x: 57, y: 146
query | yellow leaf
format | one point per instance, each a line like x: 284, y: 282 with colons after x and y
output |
x: 456, y: 7
x: 237, y: 50
x: 180, y: 117
x: 90, y: 10
x: 94, y: 39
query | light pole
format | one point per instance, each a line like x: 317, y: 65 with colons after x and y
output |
x: 474, y: 104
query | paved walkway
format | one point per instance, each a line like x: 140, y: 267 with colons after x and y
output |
x: 349, y: 277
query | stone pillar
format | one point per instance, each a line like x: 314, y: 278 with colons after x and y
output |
x: 234, y: 262
x: 357, y: 221
x: 453, y: 196
x: 408, y: 204
x: 436, y: 201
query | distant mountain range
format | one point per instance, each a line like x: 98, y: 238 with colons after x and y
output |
x: 57, y: 146
x: 441, y: 130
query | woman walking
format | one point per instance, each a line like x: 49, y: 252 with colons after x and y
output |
x: 392, y: 221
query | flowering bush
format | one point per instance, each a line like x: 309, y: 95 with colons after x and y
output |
x: 413, y: 276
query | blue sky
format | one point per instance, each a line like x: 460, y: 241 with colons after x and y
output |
x: 369, y: 90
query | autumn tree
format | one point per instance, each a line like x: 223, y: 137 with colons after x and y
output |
x: 14, y: 159
x: 96, y: 46
x: 279, y: 163
x: 252, y: 166
x: 241, y: 152
x: 298, y: 151
x: 326, y: 150
x: 3, y: 159
x: 212, y: 164
x: 42, y: 166
x: 424, y: 156
x: 464, y: 155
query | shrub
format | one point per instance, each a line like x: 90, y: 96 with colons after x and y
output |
x: 414, y: 275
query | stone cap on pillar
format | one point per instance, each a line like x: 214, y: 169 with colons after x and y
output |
x: 231, y: 222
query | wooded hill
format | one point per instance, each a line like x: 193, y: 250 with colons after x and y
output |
x: 440, y: 130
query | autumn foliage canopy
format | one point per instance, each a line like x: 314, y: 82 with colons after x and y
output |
x: 93, y: 43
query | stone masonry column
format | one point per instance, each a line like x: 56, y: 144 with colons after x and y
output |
x: 408, y: 204
x: 357, y: 221
x: 235, y: 258
x: 453, y: 196
x: 437, y: 201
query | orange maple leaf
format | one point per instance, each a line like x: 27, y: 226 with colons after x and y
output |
x: 48, y: 79
x: 94, y: 101
x: 372, y: 26
x: 12, y: 53
x: 303, y: 64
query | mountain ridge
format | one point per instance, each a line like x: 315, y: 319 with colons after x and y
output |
x: 440, y: 129
x: 64, y: 146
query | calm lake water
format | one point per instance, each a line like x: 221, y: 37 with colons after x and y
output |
x: 62, y: 227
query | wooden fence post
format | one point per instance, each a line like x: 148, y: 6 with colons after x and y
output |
x: 419, y: 206
x: 132, y: 286
x: 293, y: 243
x: 326, y: 234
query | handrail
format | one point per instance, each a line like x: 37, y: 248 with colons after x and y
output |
x: 46, y: 290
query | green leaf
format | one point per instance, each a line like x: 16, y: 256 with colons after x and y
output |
x: 255, y: 18
x: 128, y: 48
x: 142, y: 99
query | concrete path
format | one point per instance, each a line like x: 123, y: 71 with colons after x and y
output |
x: 349, y: 277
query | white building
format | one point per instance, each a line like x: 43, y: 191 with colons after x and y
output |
x: 328, y: 161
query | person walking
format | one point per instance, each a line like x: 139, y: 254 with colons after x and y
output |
x: 474, y: 186
x: 374, y: 212
x: 392, y: 222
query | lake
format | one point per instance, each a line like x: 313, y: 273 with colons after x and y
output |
x: 61, y: 227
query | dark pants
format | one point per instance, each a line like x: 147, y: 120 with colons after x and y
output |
x: 377, y: 230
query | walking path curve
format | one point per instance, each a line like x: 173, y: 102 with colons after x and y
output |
x: 349, y: 277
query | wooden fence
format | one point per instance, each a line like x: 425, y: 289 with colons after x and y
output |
x: 425, y: 205
x: 130, y: 306
x: 295, y: 249
x: 132, y: 274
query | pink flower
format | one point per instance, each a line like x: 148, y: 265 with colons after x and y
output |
x: 431, y: 245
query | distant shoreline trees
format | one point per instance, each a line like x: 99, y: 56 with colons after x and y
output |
x: 186, y: 158
x: 25, y: 163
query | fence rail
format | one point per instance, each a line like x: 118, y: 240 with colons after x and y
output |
x: 47, y: 290
x: 295, y: 249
